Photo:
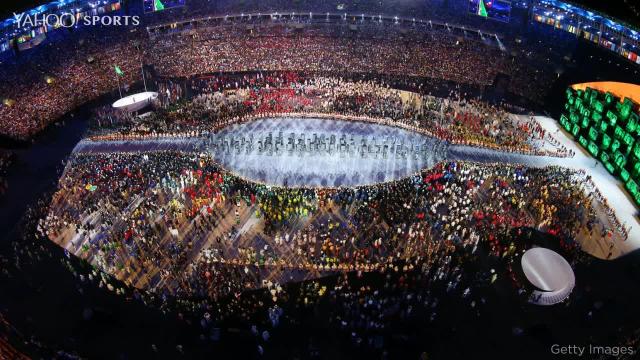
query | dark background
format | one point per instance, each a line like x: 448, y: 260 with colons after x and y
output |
x: 626, y: 10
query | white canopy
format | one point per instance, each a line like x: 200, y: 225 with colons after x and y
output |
x: 551, y: 273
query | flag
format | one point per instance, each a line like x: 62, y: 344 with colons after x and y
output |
x: 158, y: 5
x: 118, y: 70
x: 482, y: 10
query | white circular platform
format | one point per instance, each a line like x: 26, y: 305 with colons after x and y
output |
x: 135, y: 102
x: 361, y: 154
x: 551, y: 273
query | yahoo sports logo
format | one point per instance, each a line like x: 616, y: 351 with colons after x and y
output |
x: 69, y: 20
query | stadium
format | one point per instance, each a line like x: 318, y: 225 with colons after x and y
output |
x: 301, y: 179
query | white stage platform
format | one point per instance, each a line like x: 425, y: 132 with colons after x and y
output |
x: 551, y: 273
x: 324, y: 168
x: 135, y: 102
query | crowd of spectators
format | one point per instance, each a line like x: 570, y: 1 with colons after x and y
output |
x: 41, y: 85
x: 431, y: 239
x: 457, y: 118
x: 444, y: 256
x: 170, y: 222
x: 377, y: 48
x: 175, y: 225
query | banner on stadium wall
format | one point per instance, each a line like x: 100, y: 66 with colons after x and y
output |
x: 608, y: 44
x: 28, y: 42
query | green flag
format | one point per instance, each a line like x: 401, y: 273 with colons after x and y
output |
x: 482, y: 11
x: 158, y: 5
x: 118, y: 71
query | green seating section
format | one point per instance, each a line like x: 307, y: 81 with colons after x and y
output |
x: 610, y: 131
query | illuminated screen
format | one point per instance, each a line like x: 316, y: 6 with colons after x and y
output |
x: 491, y: 9
x: 159, y: 5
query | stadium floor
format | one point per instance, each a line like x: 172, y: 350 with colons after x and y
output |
x: 324, y: 168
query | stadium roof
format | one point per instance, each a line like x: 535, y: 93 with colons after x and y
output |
x: 617, y: 23
x: 626, y: 10
x: 8, y: 8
